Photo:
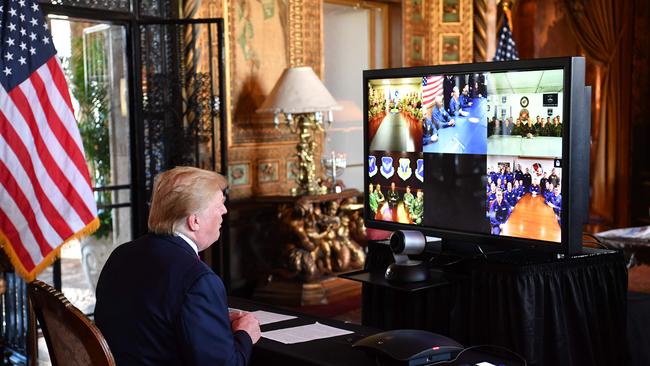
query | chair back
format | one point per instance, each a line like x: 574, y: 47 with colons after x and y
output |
x: 72, y: 339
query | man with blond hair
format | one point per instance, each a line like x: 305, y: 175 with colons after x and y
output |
x: 157, y: 302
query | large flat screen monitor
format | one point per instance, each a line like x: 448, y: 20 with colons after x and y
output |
x: 484, y: 153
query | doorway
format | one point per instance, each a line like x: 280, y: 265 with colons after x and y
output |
x: 356, y: 38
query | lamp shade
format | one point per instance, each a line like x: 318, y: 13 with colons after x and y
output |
x: 298, y: 90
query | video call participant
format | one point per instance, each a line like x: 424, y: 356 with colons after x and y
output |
x: 380, y: 196
x: 555, y: 202
x: 499, y: 213
x: 417, y: 208
x: 519, y: 190
x: 465, y: 98
x: 429, y: 127
x: 511, y: 196
x: 528, y: 179
x: 519, y: 175
x: 517, y: 128
x: 157, y: 302
x: 458, y: 105
x: 534, y: 188
x: 408, y: 198
x: 392, y: 196
x: 372, y: 199
x: 542, y: 184
x: 553, y: 178
x: 439, y: 115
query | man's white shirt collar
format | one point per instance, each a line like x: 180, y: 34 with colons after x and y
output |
x: 189, y: 241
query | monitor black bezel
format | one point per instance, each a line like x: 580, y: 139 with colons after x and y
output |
x: 566, y: 64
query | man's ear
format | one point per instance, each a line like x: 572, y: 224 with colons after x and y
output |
x: 192, y: 222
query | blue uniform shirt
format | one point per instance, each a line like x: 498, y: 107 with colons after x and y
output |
x: 441, y: 117
x: 454, y: 107
x: 511, y: 197
x: 464, y: 101
x: 499, y: 213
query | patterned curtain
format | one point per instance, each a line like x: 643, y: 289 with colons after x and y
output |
x: 603, y: 30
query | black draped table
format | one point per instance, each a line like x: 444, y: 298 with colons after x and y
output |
x: 569, y: 311
x: 338, y: 351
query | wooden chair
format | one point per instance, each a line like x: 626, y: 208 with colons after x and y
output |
x: 72, y: 339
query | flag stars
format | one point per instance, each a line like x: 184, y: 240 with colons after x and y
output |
x: 12, y: 27
x: 22, y: 17
x: 34, y: 7
x: 23, y: 46
x: 32, y: 50
x: 46, y: 40
x: 22, y: 60
x: 34, y: 22
x: 32, y: 36
x: 23, y: 32
x: 9, y: 56
x: 10, y: 41
x: 13, y: 12
x: 45, y: 25
x: 7, y: 71
x: 21, y: 3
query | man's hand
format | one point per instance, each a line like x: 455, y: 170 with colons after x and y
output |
x: 248, y: 323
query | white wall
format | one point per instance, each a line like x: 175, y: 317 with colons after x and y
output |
x: 547, y: 164
x: 346, y: 55
x: 513, y: 106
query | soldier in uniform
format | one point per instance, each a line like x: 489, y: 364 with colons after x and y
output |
x: 553, y: 178
x: 499, y: 213
x: 408, y: 198
x: 392, y: 196
x: 456, y: 105
x: 510, y: 196
x: 372, y: 199
x: 555, y: 202
x: 527, y: 181
x: 519, y: 175
x: 440, y: 116
x: 542, y: 184
x: 429, y: 127
x: 534, y: 188
x: 417, y: 208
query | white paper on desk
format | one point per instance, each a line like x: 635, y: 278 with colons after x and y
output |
x: 304, y: 333
x: 265, y: 317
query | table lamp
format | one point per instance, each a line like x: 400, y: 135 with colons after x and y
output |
x: 302, y: 98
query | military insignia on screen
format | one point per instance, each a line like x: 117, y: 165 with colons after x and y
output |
x: 372, y: 166
x: 404, y: 170
x: 387, y: 169
x: 419, y: 170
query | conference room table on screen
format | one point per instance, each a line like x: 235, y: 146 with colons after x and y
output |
x: 467, y: 136
x: 532, y: 218
x: 398, y: 132
x: 515, y: 145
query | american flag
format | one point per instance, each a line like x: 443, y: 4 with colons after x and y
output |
x: 506, y: 49
x: 45, y: 192
x: 431, y: 87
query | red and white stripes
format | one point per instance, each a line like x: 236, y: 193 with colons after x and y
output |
x: 45, y: 192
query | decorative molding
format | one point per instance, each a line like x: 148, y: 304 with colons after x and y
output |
x: 480, y: 30
x: 431, y: 26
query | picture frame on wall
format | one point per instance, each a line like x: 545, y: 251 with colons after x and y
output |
x: 239, y: 174
x: 450, y: 11
x: 450, y: 46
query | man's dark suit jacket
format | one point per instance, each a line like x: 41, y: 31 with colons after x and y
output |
x: 158, y: 304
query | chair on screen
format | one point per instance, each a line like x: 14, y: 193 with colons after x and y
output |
x: 72, y: 338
